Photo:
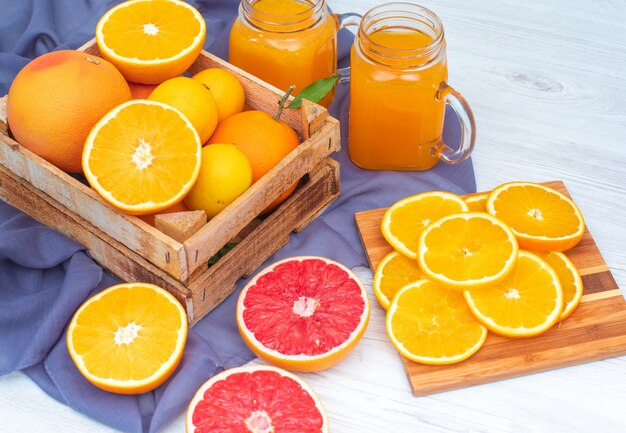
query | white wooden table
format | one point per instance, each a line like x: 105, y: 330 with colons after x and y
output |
x: 547, y: 83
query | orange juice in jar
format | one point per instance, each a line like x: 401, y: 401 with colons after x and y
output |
x: 285, y: 42
x: 398, y: 92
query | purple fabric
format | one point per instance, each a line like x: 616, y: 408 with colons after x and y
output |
x: 45, y: 276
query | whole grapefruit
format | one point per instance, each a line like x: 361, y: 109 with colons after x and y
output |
x: 57, y: 98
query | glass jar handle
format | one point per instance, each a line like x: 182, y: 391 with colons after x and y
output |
x: 349, y: 19
x: 468, y: 127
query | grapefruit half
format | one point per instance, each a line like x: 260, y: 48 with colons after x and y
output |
x: 257, y: 399
x: 303, y: 313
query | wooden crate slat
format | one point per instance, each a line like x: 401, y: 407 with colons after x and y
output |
x: 158, y: 248
x: 121, y: 261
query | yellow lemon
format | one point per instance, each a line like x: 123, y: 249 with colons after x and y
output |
x: 226, y: 89
x: 193, y: 99
x: 225, y: 173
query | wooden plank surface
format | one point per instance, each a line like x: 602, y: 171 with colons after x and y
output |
x: 596, y: 330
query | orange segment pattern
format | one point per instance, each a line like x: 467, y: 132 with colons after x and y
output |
x: 127, y: 340
x: 432, y: 324
x: 468, y: 250
x: 144, y: 154
x: 537, y: 212
x: 172, y: 27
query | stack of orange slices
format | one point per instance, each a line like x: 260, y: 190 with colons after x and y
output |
x: 492, y: 262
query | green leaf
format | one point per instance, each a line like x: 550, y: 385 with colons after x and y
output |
x: 315, y: 91
x: 226, y: 248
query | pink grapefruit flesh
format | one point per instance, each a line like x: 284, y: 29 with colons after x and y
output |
x: 256, y: 399
x: 303, y: 313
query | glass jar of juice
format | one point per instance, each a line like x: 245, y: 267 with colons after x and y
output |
x: 285, y: 42
x: 399, y: 91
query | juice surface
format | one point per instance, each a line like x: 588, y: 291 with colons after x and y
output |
x: 297, y: 56
x: 395, y: 117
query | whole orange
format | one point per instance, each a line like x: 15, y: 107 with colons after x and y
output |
x: 262, y: 139
x: 57, y: 98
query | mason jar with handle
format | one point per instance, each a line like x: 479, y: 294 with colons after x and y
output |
x: 399, y: 92
x: 286, y: 42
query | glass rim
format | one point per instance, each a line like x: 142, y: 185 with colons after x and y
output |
x: 401, y: 9
x: 277, y: 20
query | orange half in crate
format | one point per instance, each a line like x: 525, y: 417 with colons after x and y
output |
x: 142, y: 157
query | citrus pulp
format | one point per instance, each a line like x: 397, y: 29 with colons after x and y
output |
x: 128, y: 338
x: 256, y: 399
x: 404, y: 221
x: 467, y: 250
x: 431, y: 324
x: 303, y: 313
x: 142, y: 157
x: 150, y: 41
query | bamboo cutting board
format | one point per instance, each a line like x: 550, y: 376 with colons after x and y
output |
x: 596, y: 330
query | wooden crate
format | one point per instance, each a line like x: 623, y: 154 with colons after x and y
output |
x: 135, y: 251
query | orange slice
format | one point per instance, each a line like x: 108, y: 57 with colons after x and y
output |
x: 404, y: 221
x: 527, y: 303
x: 129, y: 338
x: 476, y: 202
x: 541, y: 218
x: 142, y: 157
x: 150, y: 41
x: 570, y: 280
x: 392, y: 273
x: 431, y: 324
x: 467, y: 250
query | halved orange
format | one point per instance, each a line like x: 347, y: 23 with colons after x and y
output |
x: 150, y: 41
x: 570, y: 280
x: 467, y: 250
x: 142, y: 157
x: 393, y: 273
x: 404, y: 221
x: 431, y: 324
x: 542, y: 218
x: 527, y: 303
x: 128, y: 338
x: 476, y: 202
